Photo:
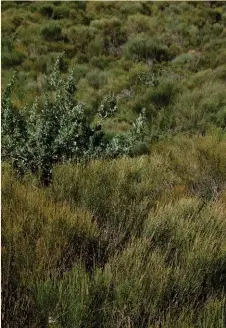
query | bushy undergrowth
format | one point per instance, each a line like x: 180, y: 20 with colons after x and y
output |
x: 131, y: 232
x: 118, y: 47
x: 123, y: 243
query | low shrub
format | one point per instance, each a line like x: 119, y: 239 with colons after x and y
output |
x: 46, y: 10
x: 144, y: 48
x: 197, y: 109
x: 13, y: 58
x: 97, y: 79
x: 61, y: 12
x: 80, y: 36
x: 51, y: 32
x: 137, y: 24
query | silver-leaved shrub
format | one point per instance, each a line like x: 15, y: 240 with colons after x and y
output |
x: 59, y: 129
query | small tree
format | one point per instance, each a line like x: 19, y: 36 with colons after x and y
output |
x: 58, y: 129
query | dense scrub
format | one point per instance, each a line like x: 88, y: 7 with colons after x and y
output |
x: 134, y: 234
x: 121, y: 243
x: 149, y: 54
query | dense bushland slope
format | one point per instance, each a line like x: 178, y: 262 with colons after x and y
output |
x: 131, y: 242
x: 168, y: 57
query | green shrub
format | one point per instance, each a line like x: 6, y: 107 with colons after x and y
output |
x: 183, y: 59
x: 164, y: 93
x: 144, y: 48
x: 197, y: 109
x: 112, y: 32
x: 220, y: 58
x: 41, y: 130
x: 51, y: 32
x: 80, y: 36
x: 13, y: 58
x: 35, y: 140
x: 10, y: 56
x: 17, y: 20
x: 7, y: 44
x: 137, y: 24
x: 61, y: 12
x: 100, y: 62
x: 131, y: 8
x: 8, y: 27
x: 28, y: 242
x: 46, y: 10
x: 80, y: 71
x: 97, y: 79
x: 96, y: 47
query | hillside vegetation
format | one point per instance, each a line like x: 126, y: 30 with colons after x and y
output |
x: 130, y: 237
x: 167, y: 57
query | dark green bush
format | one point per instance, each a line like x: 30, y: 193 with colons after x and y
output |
x: 97, y: 78
x: 80, y: 36
x: 163, y: 94
x: 61, y: 12
x: 13, y: 58
x: 137, y: 24
x: 96, y: 46
x: 100, y: 62
x: 130, y: 8
x: 17, y: 20
x: 145, y: 101
x: 80, y: 71
x: 46, y: 10
x: 111, y: 30
x: 6, y: 44
x: 197, y: 109
x: 143, y: 48
x: 51, y: 32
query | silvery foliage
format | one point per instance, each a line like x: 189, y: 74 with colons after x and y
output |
x: 107, y: 107
x: 13, y: 128
x: 59, y: 129
x: 122, y: 144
